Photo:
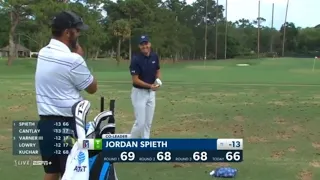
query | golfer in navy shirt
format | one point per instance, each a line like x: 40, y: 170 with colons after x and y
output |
x: 145, y: 71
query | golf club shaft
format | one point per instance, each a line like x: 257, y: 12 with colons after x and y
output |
x: 112, y: 106
x: 101, y: 104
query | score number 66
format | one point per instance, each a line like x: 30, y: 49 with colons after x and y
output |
x: 233, y: 156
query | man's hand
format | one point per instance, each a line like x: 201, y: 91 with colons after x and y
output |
x: 154, y: 87
x: 78, y: 50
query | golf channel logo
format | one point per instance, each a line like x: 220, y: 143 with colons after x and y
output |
x: 97, y: 144
x: 81, y: 159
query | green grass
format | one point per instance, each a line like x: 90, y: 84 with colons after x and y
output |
x: 273, y: 105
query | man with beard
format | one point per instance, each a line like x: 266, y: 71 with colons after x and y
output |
x: 61, y: 74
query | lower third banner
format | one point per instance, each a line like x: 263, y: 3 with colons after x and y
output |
x: 173, y: 156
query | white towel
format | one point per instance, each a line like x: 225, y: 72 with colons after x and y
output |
x: 77, y: 166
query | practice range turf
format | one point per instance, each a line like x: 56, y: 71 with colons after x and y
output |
x: 273, y: 104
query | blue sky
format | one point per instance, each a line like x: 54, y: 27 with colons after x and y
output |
x: 302, y: 12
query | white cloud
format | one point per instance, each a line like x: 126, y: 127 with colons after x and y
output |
x: 103, y: 12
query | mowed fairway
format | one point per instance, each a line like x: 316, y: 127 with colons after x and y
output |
x: 273, y: 104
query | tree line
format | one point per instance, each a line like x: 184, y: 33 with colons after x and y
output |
x: 177, y: 30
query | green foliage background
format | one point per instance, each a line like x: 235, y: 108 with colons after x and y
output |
x: 176, y: 29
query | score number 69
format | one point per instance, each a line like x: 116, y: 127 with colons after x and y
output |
x: 127, y: 156
x: 233, y: 156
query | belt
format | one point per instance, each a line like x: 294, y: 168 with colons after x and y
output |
x: 139, y: 87
x: 144, y: 89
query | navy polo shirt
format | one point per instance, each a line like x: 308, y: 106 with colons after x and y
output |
x: 146, y: 67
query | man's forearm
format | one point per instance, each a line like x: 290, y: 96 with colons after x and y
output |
x: 158, y: 74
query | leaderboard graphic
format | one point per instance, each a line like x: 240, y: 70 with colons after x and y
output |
x: 166, y: 150
x: 121, y: 148
x: 26, y: 137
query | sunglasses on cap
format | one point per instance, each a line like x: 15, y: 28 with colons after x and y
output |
x: 68, y: 19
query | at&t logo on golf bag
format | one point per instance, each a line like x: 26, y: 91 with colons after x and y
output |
x: 81, y: 159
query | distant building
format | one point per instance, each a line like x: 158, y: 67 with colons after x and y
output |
x: 21, y: 51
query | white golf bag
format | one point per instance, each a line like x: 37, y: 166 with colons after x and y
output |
x: 90, y: 165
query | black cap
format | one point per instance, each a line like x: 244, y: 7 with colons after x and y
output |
x: 66, y: 20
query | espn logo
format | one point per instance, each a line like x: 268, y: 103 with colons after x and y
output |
x: 39, y: 163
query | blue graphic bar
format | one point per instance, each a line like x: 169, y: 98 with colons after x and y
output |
x: 159, y: 144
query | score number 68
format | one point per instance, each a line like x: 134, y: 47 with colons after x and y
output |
x: 200, y: 156
x: 166, y: 156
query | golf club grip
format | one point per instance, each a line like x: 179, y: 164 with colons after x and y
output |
x: 101, y: 104
x: 112, y: 105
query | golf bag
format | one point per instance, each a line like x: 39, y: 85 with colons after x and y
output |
x: 103, y: 123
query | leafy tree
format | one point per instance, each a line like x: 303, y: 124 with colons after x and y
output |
x: 96, y: 36
x: 135, y: 12
x: 4, y: 28
x: 290, y: 41
x: 309, y: 39
x: 121, y: 30
x: 18, y: 10
x: 42, y: 20
x: 176, y: 29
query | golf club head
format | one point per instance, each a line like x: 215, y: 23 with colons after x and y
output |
x: 80, y: 111
x: 104, y: 123
x: 101, y: 125
x: 107, y: 129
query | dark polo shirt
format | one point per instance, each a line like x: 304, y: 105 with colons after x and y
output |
x: 146, y: 67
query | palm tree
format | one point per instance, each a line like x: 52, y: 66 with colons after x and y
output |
x: 206, y: 33
x: 226, y: 33
x: 272, y: 18
x: 120, y: 29
x: 284, y: 28
x: 216, y: 43
x: 258, y: 19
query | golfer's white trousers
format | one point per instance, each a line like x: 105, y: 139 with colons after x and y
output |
x: 144, y: 103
